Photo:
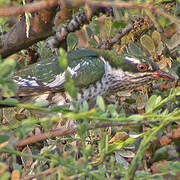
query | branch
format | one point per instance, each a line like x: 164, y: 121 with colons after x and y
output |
x: 79, y: 19
x: 16, y: 10
x: 16, y: 40
x: 108, y: 44
x: 64, y: 131
x: 40, y: 28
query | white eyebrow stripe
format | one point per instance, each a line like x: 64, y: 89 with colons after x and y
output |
x: 133, y: 60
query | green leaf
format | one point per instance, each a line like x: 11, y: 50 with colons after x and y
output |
x: 156, y: 38
x: 5, y: 176
x: 152, y: 102
x: 3, y: 138
x: 69, y: 86
x: 134, y: 49
x: 162, y: 21
x: 141, y: 101
x: 11, y: 101
x: 162, y: 168
x: 177, y: 90
x: 119, y: 145
x: 100, y: 103
x: 108, y: 26
x: 174, y: 165
x: 63, y: 59
x: 85, y: 107
x: 160, y: 154
x: 112, y: 110
x: 136, y: 117
x: 148, y: 43
x: 7, y: 67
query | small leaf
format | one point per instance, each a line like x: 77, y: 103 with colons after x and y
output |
x: 174, y: 165
x: 160, y: 154
x: 7, y: 67
x: 141, y: 101
x: 100, y: 103
x: 177, y: 91
x: 174, y: 41
x: 69, y: 86
x: 162, y: 168
x: 11, y: 101
x: 112, y: 110
x: 119, y: 136
x: 148, y: 43
x: 152, y: 102
x: 27, y: 161
x: 156, y: 38
x: 134, y: 49
x: 63, y: 59
x: 160, y: 48
x: 136, y: 117
x: 108, y: 26
x: 3, y: 138
x: 85, y: 107
x: 162, y: 21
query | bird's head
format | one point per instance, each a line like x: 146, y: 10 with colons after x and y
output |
x: 134, y: 72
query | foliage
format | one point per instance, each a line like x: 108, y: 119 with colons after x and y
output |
x: 123, y: 140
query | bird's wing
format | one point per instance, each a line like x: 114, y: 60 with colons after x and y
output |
x: 85, y: 68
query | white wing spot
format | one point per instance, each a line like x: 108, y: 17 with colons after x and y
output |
x: 58, y: 80
x: 26, y: 82
x: 73, y: 71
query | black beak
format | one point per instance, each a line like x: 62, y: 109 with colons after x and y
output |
x: 164, y: 75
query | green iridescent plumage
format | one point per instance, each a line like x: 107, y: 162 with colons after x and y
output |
x: 95, y: 72
x: 89, y: 68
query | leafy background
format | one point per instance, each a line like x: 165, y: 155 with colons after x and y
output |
x: 136, y: 136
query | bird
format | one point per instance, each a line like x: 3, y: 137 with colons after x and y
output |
x: 95, y: 72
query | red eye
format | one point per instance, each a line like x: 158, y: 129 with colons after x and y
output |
x: 142, y: 67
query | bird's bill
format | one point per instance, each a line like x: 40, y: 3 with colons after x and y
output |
x: 164, y: 75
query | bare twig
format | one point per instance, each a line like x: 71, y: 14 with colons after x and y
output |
x: 64, y: 131
x: 16, y: 10
x: 75, y: 24
x: 16, y: 39
x: 108, y: 44
x: 11, y: 11
x: 44, y: 173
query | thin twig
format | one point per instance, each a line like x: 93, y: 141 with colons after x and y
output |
x: 108, y: 44
x: 44, y: 173
x: 64, y: 131
x: 12, y: 11
x: 16, y: 10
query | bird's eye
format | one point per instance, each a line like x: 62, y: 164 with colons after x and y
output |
x: 142, y: 67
